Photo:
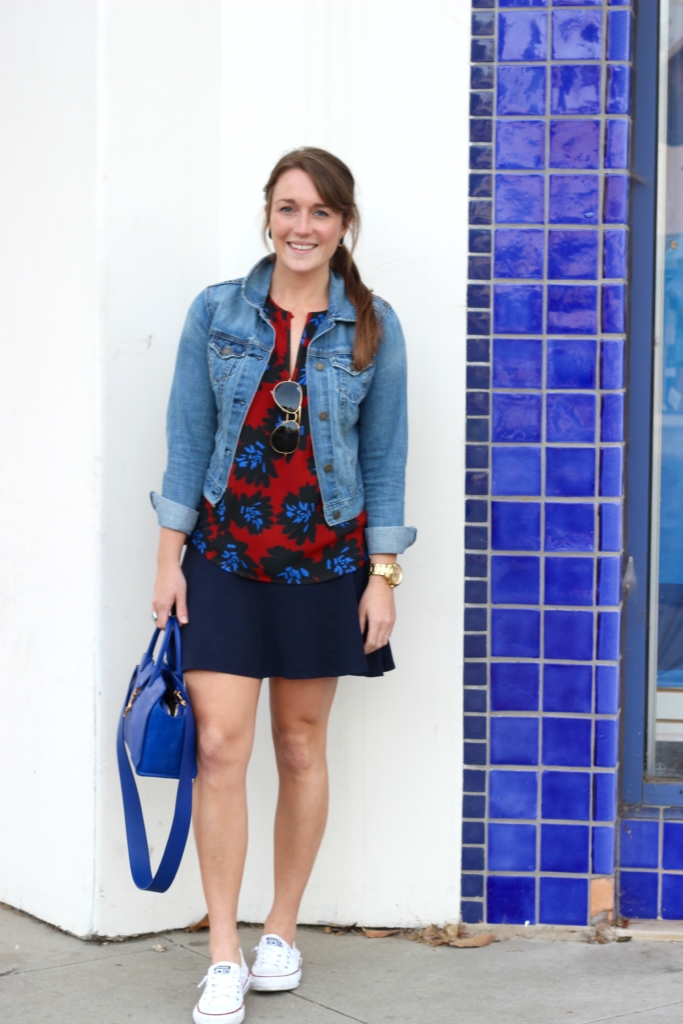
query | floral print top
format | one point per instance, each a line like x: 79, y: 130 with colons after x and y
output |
x: 269, y: 524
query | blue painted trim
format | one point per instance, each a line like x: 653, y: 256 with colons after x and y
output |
x: 670, y: 794
x: 639, y: 393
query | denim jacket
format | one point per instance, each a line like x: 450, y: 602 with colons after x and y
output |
x: 358, y: 418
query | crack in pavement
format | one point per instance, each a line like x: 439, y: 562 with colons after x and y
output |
x: 89, y: 960
x: 631, y: 1013
x: 324, y: 1006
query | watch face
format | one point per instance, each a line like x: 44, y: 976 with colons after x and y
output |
x: 396, y: 575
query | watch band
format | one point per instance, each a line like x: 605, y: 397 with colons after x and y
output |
x: 391, y: 571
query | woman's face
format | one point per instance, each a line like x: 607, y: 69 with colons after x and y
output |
x: 305, y: 231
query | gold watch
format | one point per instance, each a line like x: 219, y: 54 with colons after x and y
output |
x: 392, y: 572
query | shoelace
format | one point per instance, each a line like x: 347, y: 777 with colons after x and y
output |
x: 270, y: 954
x: 218, y: 981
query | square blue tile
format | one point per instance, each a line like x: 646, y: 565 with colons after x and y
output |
x: 482, y: 51
x: 611, y: 473
x: 475, y: 647
x: 483, y: 23
x: 521, y: 90
x: 474, y: 781
x: 472, y: 885
x: 570, y: 472
x: 638, y: 843
x: 510, y: 900
x: 475, y: 620
x: 575, y: 144
x: 477, y: 350
x: 518, y: 252
x: 570, y: 418
x: 475, y: 726
x: 606, y: 690
x: 574, y: 199
x: 672, y: 897
x: 479, y: 240
x: 479, y: 268
x: 515, y: 633
x: 609, y: 581
x: 577, y: 35
x: 606, y: 743
x: 476, y: 511
x: 515, y: 579
x: 472, y: 858
x: 514, y: 741
x: 478, y: 323
x: 474, y: 674
x: 479, y: 296
x: 614, y: 253
x: 614, y: 308
x: 472, y: 911
x: 618, y: 89
x: 616, y: 198
x: 564, y: 848
x: 481, y: 77
x: 619, y: 33
x: 567, y: 742
x: 475, y: 700
x: 476, y: 592
x: 516, y: 417
x: 609, y: 627
x: 478, y: 377
x: 522, y: 36
x: 569, y: 527
x: 611, y: 364
x: 515, y: 526
x: 572, y: 309
x: 603, y: 853
x: 573, y: 254
x: 564, y: 901
x: 517, y: 363
x: 518, y: 309
x: 513, y: 794
x: 511, y: 847
x: 474, y: 753
x: 481, y: 130
x: 520, y: 198
x: 571, y: 364
x: 516, y: 471
x: 476, y: 456
x: 476, y: 565
x: 514, y: 686
x: 566, y: 795
x: 672, y: 854
x: 610, y: 526
x: 638, y: 894
x: 568, y: 688
x: 476, y: 482
x: 617, y: 142
x: 604, y: 796
x: 473, y: 807
x: 480, y: 211
x: 473, y: 832
x: 520, y: 145
x: 575, y: 89
x: 481, y: 157
x: 481, y: 185
x: 568, y: 581
x: 481, y: 105
x: 568, y: 635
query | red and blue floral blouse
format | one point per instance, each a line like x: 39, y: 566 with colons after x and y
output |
x: 269, y: 524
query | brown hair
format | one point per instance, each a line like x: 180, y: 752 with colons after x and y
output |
x: 336, y: 186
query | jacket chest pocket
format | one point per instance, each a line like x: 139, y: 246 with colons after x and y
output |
x: 351, y: 382
x: 225, y: 355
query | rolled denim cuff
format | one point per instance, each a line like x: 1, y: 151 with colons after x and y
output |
x: 173, y: 515
x: 383, y: 540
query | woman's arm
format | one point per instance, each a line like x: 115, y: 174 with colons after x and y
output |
x: 377, y: 608
x: 170, y: 588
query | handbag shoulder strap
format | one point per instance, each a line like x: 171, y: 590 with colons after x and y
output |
x: 136, y: 835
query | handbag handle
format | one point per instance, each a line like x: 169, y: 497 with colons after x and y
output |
x: 136, y: 834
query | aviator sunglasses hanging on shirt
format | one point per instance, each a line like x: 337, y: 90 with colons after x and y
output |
x: 289, y: 398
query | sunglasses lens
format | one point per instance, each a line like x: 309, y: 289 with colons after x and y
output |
x: 285, y: 437
x: 287, y: 394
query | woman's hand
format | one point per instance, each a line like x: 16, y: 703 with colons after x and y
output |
x: 170, y: 587
x: 377, y: 611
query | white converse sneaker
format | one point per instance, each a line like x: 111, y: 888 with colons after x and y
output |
x: 222, y: 1001
x: 277, y: 967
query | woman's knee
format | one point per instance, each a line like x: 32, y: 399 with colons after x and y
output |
x: 299, y: 750
x: 221, y: 752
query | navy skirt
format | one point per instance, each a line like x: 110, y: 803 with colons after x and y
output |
x: 250, y: 628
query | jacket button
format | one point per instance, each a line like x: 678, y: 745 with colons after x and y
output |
x: 322, y: 416
x: 320, y: 366
x: 226, y: 351
x: 328, y: 468
x: 336, y: 515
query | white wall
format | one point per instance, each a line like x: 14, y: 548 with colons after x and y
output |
x: 186, y: 113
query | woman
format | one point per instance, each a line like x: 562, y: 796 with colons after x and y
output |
x: 287, y: 445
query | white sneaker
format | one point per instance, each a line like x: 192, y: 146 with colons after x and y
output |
x: 222, y: 1001
x: 277, y: 967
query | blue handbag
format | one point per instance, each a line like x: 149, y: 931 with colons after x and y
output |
x: 157, y: 727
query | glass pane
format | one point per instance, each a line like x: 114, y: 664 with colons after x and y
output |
x: 668, y: 703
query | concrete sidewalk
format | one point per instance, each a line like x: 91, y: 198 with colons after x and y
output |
x: 48, y: 976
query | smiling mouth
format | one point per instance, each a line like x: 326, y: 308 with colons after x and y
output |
x: 301, y: 246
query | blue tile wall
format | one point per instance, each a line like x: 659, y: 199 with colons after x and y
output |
x: 650, y: 879
x: 547, y: 312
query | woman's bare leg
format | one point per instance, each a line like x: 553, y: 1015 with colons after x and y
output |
x: 225, y: 711
x: 300, y: 709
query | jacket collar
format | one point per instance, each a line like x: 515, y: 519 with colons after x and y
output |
x: 256, y: 286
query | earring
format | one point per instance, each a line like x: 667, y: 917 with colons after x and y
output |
x: 270, y: 233
x: 341, y: 240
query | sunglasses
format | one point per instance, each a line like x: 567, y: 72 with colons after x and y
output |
x: 288, y: 397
